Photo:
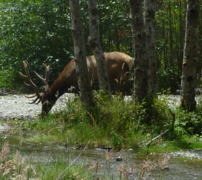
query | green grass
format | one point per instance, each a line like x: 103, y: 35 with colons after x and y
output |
x: 115, y: 122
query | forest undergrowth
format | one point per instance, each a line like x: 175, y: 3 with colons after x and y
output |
x: 117, y: 122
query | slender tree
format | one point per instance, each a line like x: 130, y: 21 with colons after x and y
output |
x: 96, y: 47
x: 139, y: 43
x: 80, y: 55
x: 188, y: 81
x: 180, y: 59
x: 171, y: 35
x: 149, y: 17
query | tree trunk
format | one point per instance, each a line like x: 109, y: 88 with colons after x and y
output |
x: 96, y: 47
x: 139, y: 42
x: 189, y: 64
x: 149, y: 16
x: 171, y: 36
x: 80, y: 55
x: 181, y: 40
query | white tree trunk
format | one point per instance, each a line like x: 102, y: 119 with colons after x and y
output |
x: 188, y: 81
x: 96, y: 47
x: 80, y: 55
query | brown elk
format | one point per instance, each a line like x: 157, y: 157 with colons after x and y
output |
x: 118, y: 66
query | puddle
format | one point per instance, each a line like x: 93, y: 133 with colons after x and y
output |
x: 179, y: 168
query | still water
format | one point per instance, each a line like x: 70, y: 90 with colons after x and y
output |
x: 179, y: 168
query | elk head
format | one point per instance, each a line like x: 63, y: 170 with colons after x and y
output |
x: 46, y: 98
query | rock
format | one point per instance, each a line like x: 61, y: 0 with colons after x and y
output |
x: 119, y: 158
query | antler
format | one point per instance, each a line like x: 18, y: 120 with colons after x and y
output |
x: 31, y: 84
x: 45, y: 81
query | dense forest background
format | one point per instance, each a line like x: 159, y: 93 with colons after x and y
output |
x: 39, y: 32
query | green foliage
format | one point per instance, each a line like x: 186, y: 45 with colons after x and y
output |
x: 156, y: 113
x: 40, y: 32
x: 4, y: 78
x: 116, y: 140
x: 170, y: 33
x: 118, y: 123
x: 188, y: 123
x: 34, y: 31
x: 168, y: 78
x: 115, y: 26
x: 114, y: 120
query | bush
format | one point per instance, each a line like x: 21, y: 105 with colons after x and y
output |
x: 37, y: 32
x: 188, y: 122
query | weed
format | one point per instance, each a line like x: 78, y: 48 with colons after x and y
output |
x: 147, y: 167
x: 13, y: 167
x: 164, y: 161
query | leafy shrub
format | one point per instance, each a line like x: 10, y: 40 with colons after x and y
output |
x: 116, y: 118
x: 188, y: 122
x: 156, y: 112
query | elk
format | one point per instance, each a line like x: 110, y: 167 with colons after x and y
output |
x: 118, y: 65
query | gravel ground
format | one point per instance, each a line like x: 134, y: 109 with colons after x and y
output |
x: 17, y: 105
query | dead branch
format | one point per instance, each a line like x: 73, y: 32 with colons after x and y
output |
x: 157, y: 137
x: 93, y: 120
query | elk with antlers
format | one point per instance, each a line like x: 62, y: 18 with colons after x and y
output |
x: 118, y: 66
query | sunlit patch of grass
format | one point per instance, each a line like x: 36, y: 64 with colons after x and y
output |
x: 45, y: 139
x: 83, y: 132
x: 183, y: 143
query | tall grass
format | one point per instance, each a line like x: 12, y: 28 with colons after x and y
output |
x: 14, y: 167
x: 114, y: 121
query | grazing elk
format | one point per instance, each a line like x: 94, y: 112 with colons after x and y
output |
x: 118, y: 66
